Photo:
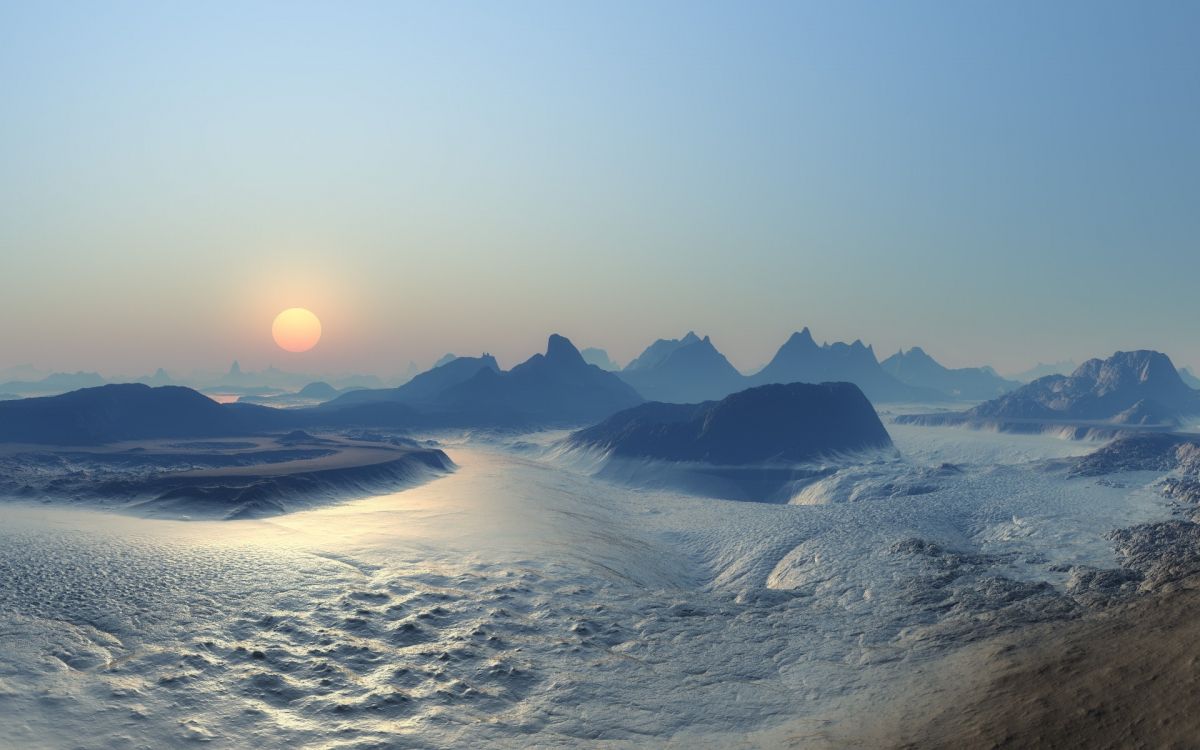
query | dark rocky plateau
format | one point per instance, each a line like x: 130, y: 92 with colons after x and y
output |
x: 781, y: 424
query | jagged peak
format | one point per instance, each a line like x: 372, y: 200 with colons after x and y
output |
x: 802, y: 337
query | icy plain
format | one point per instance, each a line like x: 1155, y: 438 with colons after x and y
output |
x: 522, y: 602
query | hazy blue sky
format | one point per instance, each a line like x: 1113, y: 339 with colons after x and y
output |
x: 999, y: 182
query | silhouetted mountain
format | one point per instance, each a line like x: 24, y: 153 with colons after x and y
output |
x: 802, y: 360
x: 658, y: 351
x: 917, y: 368
x: 692, y: 370
x: 557, y: 387
x: 1141, y: 387
x: 445, y: 359
x: 160, y: 377
x: 57, y: 382
x: 319, y: 390
x: 769, y: 424
x: 1189, y: 378
x: 598, y: 357
x: 127, y: 411
x: 1041, y: 370
x: 424, y: 388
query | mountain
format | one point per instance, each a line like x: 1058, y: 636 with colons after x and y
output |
x: 160, y: 377
x: 445, y: 359
x: 790, y: 423
x: 557, y: 387
x: 598, y: 357
x: 1041, y: 370
x: 424, y: 388
x: 127, y: 411
x: 658, y: 351
x: 58, y: 382
x: 1189, y: 378
x: 683, y: 371
x: 318, y: 390
x: 1140, y: 387
x: 802, y: 360
x: 917, y: 368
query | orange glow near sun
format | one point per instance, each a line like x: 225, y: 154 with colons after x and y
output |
x: 296, y: 330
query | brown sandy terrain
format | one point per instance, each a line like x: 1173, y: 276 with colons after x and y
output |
x: 1127, y: 677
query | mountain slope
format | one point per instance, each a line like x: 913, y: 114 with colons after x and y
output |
x: 772, y: 423
x: 424, y: 388
x: 1139, y: 387
x: 802, y: 360
x: 658, y: 351
x: 599, y: 357
x: 917, y: 368
x: 557, y: 387
x: 128, y: 411
x: 689, y: 372
x: 1189, y: 378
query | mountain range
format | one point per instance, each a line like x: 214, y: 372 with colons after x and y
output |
x: 1139, y: 387
x: 685, y: 370
x: 1134, y: 389
x: 557, y: 387
x: 802, y: 360
x: 917, y: 368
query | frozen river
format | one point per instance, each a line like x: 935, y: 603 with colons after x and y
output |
x: 521, y: 602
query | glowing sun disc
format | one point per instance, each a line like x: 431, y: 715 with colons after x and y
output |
x: 296, y: 330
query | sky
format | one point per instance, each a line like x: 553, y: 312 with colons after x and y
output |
x: 998, y: 183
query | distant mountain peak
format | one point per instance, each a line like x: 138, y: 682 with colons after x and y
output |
x: 801, y: 339
x: 599, y: 357
x: 560, y: 351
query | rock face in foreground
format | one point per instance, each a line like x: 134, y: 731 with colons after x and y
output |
x: 1141, y: 387
x: 770, y: 424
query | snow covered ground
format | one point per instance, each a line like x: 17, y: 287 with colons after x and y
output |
x: 522, y: 602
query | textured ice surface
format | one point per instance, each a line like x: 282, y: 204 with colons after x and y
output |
x: 522, y: 602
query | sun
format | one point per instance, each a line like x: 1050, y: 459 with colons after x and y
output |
x: 296, y: 330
